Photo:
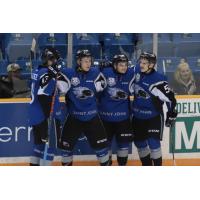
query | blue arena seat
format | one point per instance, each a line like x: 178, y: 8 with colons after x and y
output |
x: 168, y: 63
x: 145, y: 38
x: 57, y: 40
x: 187, y: 45
x: 88, y: 41
x: 26, y: 67
x: 165, y: 44
x: 3, y: 67
x: 2, y: 44
x: 86, y: 38
x: 194, y: 62
x: 119, y: 38
x: 18, y: 46
x: 119, y: 43
x: 186, y: 37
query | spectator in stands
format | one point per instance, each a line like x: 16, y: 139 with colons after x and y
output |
x: 184, y: 82
x: 13, y: 85
x: 5, y: 88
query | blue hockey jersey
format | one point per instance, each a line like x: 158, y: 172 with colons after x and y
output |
x: 81, y: 98
x: 150, y: 92
x: 44, y: 84
x: 114, y: 103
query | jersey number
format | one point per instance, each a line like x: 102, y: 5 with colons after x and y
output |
x: 167, y: 89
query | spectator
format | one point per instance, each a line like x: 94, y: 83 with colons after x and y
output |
x: 13, y: 85
x: 5, y: 88
x: 184, y: 82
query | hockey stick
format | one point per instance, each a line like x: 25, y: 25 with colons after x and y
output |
x: 172, y: 144
x: 32, y: 53
x: 50, y: 121
x: 164, y: 67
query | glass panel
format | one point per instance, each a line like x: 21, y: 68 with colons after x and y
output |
x: 178, y: 55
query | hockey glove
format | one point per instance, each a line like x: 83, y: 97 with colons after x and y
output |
x: 53, y: 71
x: 87, y: 93
x: 171, y: 117
x: 121, y: 95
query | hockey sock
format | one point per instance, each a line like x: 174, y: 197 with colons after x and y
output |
x: 103, y: 156
x: 144, y: 153
x: 67, y: 158
x: 156, y: 153
x: 122, y: 154
x: 37, y: 154
x: 49, y: 158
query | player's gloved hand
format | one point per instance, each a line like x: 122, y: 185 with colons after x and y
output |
x: 87, y: 93
x: 171, y: 117
x: 60, y: 63
x: 54, y: 71
x: 121, y: 94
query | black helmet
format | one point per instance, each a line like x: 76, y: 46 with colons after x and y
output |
x: 50, y: 54
x: 151, y: 57
x: 83, y: 53
x: 119, y: 58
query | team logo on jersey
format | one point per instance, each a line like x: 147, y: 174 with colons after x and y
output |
x: 137, y: 77
x: 140, y: 92
x: 34, y: 76
x: 83, y: 92
x: 117, y: 94
x: 111, y: 82
x: 75, y: 81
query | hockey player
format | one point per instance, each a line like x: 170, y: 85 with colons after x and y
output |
x: 114, y: 107
x: 46, y: 79
x: 151, y: 90
x: 86, y: 82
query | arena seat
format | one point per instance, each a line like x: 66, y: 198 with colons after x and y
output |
x: 57, y: 40
x: 88, y: 41
x: 165, y: 44
x: 187, y: 45
x: 119, y: 43
x: 3, y: 67
x: 17, y: 45
x: 171, y: 63
x: 194, y: 63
